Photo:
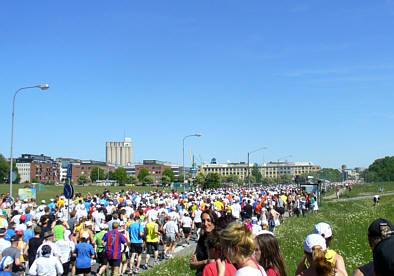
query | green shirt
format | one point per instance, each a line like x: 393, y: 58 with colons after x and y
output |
x: 98, y: 238
x: 58, y: 231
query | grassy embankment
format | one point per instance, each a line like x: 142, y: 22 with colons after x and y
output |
x: 349, y: 220
x: 50, y: 191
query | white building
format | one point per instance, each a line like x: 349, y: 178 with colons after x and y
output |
x: 24, y: 171
x: 119, y: 153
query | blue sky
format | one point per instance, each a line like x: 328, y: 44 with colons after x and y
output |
x: 312, y: 79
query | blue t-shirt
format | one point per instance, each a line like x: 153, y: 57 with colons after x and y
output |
x: 52, y: 207
x: 9, y: 234
x: 84, y: 252
x: 28, y: 217
x: 134, y: 230
x: 27, y: 235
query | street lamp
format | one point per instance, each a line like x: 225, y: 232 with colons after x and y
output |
x: 277, y: 170
x: 42, y: 87
x: 249, y: 153
x: 183, y: 156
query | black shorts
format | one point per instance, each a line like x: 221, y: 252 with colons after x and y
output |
x: 113, y: 262
x: 102, y: 258
x: 83, y: 270
x: 198, y: 224
x: 152, y: 247
x: 136, y: 248
x: 186, y: 230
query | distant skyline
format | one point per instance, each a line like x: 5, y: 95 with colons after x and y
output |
x: 312, y: 79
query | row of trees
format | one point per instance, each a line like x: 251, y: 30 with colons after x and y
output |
x: 380, y: 170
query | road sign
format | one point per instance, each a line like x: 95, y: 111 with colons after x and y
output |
x: 68, y: 191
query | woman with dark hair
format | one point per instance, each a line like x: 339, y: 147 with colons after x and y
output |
x: 200, y: 256
x: 268, y: 254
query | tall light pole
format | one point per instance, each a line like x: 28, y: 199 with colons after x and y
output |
x: 249, y: 153
x: 183, y: 156
x: 277, y: 172
x: 42, y: 87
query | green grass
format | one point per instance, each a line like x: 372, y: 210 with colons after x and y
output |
x: 50, y: 191
x: 349, y: 221
x: 369, y: 189
x: 176, y: 266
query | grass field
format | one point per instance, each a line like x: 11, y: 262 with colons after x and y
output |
x: 369, y: 189
x: 50, y: 191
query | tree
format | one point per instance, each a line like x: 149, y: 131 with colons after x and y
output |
x: 121, y: 175
x: 97, y: 174
x: 5, y: 170
x: 380, y: 170
x: 170, y: 173
x: 232, y: 178
x: 132, y: 179
x: 285, y: 178
x: 200, y: 179
x: 252, y: 179
x: 110, y: 176
x: 141, y: 175
x: 165, y: 180
x: 148, y: 180
x: 180, y: 178
x: 256, y: 173
x: 83, y: 179
x: 213, y: 180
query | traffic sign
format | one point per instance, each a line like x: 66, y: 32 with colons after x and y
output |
x: 69, y: 191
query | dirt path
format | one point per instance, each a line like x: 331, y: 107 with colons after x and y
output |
x: 358, y: 197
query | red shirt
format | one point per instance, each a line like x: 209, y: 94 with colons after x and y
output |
x: 212, y: 270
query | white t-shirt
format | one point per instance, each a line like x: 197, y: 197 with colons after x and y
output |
x: 171, y: 227
x: 4, y: 244
x: 186, y: 221
x: 197, y: 216
x: 250, y: 271
x: 46, y: 266
x: 236, y: 210
x: 64, y: 247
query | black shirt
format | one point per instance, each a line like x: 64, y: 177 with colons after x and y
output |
x: 201, y: 252
x: 34, y: 244
x: 367, y: 269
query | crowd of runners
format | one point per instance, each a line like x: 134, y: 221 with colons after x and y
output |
x: 127, y: 232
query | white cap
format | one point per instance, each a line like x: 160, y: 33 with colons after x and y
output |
x: 261, y: 232
x: 52, y: 200
x: 323, y: 229
x: 88, y: 223
x: 29, y: 223
x: 314, y: 240
x: 6, y: 261
x: 85, y: 235
x: 43, y: 201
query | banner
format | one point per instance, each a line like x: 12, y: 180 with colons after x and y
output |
x: 27, y: 193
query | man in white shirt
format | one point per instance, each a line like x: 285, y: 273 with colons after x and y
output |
x: 65, y: 247
x: 186, y: 222
x: 171, y: 231
x: 197, y: 221
x: 47, y: 264
x: 3, y: 243
x: 236, y: 209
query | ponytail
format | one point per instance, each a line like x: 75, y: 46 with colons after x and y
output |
x: 323, y: 266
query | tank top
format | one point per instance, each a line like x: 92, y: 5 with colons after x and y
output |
x: 151, y: 236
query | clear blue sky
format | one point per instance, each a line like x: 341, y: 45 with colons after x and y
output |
x: 312, y: 79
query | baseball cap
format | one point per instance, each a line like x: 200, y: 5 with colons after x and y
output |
x: 6, y: 261
x: 378, y: 226
x: 85, y: 235
x: 323, y: 229
x: 383, y: 257
x: 43, y: 201
x: 314, y: 240
x: 29, y: 223
x: 22, y: 218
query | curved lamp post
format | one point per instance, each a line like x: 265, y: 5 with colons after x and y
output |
x: 249, y: 153
x: 183, y: 156
x: 42, y: 87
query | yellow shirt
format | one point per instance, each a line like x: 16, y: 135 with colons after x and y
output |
x: 151, y: 236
